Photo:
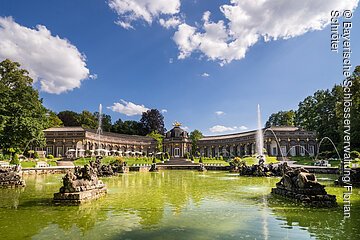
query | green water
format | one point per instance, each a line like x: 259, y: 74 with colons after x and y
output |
x: 173, y: 205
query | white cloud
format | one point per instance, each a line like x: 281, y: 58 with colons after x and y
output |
x: 54, y: 62
x: 128, y: 108
x: 221, y: 129
x: 247, y: 21
x: 205, y: 74
x: 93, y: 76
x: 242, y: 128
x: 172, y: 22
x: 186, y: 128
x: 163, y: 110
x: 125, y: 25
x: 219, y: 113
x: 146, y: 10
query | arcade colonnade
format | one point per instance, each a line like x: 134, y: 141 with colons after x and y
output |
x: 289, y: 141
x: 79, y: 142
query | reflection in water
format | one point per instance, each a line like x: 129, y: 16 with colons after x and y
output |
x: 170, y: 204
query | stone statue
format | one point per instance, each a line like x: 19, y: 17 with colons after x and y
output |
x: 11, y: 177
x: 202, y: 168
x: 301, y: 186
x: 79, y: 186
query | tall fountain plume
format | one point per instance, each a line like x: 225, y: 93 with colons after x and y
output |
x: 259, y: 135
x: 99, y: 130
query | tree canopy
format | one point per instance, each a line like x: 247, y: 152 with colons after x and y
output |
x: 159, y: 139
x: 323, y: 112
x: 281, y: 118
x: 194, y: 137
x: 153, y: 120
x: 22, y: 115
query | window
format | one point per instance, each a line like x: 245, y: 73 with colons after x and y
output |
x: 59, y: 151
x: 283, y: 150
x: 293, y: 151
x: 311, y: 150
x: 49, y: 150
x: 274, y: 151
x: 302, y: 150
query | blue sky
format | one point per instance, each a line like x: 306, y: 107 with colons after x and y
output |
x: 89, y: 59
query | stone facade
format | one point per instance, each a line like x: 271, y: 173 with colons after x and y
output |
x: 177, y: 142
x: 77, y: 141
x: 289, y: 141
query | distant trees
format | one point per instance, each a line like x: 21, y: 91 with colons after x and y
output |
x: 53, y: 120
x: 159, y: 139
x: 128, y: 127
x: 194, y: 137
x: 153, y: 120
x: 323, y: 112
x: 69, y: 118
x: 281, y: 118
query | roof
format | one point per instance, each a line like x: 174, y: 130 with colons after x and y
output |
x: 250, y: 133
x: 176, y: 131
x: 110, y: 134
x: 119, y: 135
x: 64, y: 129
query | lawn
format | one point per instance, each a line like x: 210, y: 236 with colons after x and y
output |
x: 310, y: 162
x: 254, y: 160
x: 32, y: 163
x: 106, y: 160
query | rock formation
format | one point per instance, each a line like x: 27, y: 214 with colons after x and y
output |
x: 301, y: 186
x: 80, y: 186
x: 11, y: 177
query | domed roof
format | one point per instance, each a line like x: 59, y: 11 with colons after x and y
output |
x: 177, y: 132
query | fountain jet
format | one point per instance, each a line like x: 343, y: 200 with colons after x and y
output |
x: 99, y: 130
x: 259, y: 136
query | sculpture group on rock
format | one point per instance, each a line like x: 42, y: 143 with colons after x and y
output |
x: 80, y: 186
x: 301, y: 186
x: 111, y: 169
x: 259, y: 170
x: 11, y: 177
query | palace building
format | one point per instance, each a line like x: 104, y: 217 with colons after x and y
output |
x: 289, y: 141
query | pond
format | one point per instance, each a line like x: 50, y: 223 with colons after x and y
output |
x: 173, y: 205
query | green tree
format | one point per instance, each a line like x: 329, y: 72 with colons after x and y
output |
x: 127, y: 127
x: 53, y: 120
x: 69, y: 118
x: 194, y: 137
x: 87, y: 120
x: 106, y: 124
x: 153, y: 120
x: 22, y: 115
x: 159, y: 139
x: 117, y: 127
x: 282, y: 118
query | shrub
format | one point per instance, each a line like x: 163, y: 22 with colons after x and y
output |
x: 221, y: 158
x: 192, y: 158
x: 50, y: 156
x: 167, y: 155
x: 201, y: 160
x: 36, y: 155
x: 162, y: 157
x: 15, y: 160
x: 187, y: 155
x: 354, y: 154
x: 326, y: 154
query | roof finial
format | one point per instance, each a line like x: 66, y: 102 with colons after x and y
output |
x: 176, y: 124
